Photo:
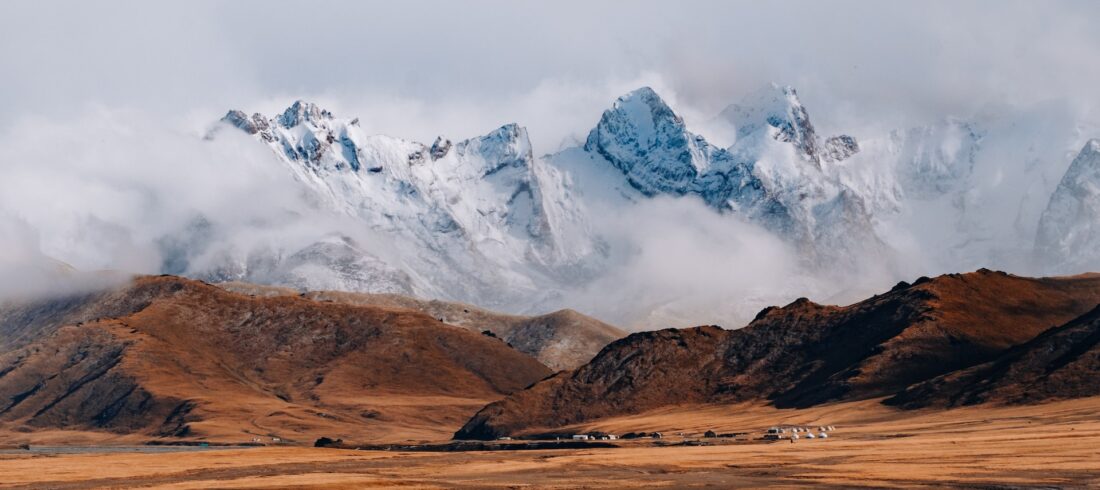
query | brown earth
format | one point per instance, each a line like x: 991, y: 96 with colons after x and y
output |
x: 170, y: 358
x: 1061, y: 363
x: 1054, y: 445
x: 803, y: 354
x: 564, y: 339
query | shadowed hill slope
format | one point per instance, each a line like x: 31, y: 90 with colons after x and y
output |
x: 1063, y: 362
x: 804, y: 354
x: 185, y: 359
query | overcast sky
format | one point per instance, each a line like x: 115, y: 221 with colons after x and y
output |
x: 104, y: 105
x: 416, y: 69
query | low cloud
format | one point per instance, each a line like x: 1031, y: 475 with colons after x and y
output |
x: 105, y: 107
x: 677, y: 263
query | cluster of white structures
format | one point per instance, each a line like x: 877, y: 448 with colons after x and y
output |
x: 795, y: 433
x: 600, y: 437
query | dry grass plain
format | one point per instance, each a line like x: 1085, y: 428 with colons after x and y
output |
x: 1051, y: 445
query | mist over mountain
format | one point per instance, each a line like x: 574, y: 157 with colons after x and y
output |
x: 686, y: 179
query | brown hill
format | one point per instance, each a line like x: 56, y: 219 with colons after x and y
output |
x: 22, y: 322
x: 804, y: 354
x: 564, y: 339
x: 171, y: 357
x: 1061, y: 363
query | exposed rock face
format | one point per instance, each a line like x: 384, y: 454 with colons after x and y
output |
x: 241, y: 121
x: 440, y: 148
x: 803, y: 354
x: 838, y: 148
x: 1063, y: 362
x: 1069, y: 231
x: 183, y: 358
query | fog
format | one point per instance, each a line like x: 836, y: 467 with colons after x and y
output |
x: 105, y: 105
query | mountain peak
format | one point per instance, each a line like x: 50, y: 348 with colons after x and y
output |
x: 242, y: 121
x: 645, y: 139
x: 775, y: 106
x: 642, y: 95
x: 644, y: 115
x: 301, y: 111
x: 1068, y: 234
x: 506, y: 146
x: 1093, y: 146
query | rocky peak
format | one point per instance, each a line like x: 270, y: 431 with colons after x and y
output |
x: 440, y: 148
x: 638, y: 124
x: 1087, y: 163
x: 642, y: 137
x: 257, y: 123
x: 241, y: 121
x: 1069, y: 229
x: 507, y: 146
x: 777, y: 109
x: 303, y: 112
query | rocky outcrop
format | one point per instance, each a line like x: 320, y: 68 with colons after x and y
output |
x: 838, y: 148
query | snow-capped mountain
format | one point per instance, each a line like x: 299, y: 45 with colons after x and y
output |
x: 772, y: 176
x: 649, y: 144
x: 778, y: 108
x: 1069, y: 230
x: 483, y: 220
x: 960, y: 193
x: 478, y: 219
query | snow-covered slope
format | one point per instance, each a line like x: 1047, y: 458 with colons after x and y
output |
x: 968, y: 192
x: 772, y: 176
x: 479, y: 220
x: 1069, y: 230
x: 776, y: 111
x: 484, y: 221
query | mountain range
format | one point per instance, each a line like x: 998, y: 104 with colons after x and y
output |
x: 485, y: 221
x: 165, y: 360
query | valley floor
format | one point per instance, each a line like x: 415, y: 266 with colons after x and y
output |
x: 1051, y: 445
